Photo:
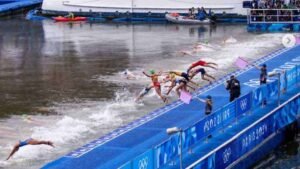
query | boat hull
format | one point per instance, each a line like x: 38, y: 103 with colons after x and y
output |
x: 64, y: 19
x: 185, y: 20
x: 143, y: 7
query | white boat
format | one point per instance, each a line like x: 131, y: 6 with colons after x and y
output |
x: 175, y: 18
x: 140, y: 7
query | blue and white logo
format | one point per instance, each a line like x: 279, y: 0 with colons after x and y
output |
x: 143, y: 163
x: 226, y: 155
x: 243, y: 104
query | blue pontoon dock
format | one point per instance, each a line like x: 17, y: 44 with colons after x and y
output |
x: 8, y: 7
x: 240, y: 130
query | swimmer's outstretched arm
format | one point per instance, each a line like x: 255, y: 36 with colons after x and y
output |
x: 14, y: 150
x: 146, y: 74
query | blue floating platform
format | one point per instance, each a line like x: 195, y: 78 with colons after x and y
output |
x: 13, y: 6
x: 132, y: 146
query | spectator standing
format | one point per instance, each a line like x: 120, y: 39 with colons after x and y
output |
x: 234, y: 88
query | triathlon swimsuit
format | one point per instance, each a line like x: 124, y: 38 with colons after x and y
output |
x: 201, y: 70
x: 156, y: 84
x: 24, y: 143
x: 199, y: 63
x: 185, y: 75
x: 178, y: 81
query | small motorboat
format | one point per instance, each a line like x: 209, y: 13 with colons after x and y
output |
x: 176, y: 18
x: 69, y: 19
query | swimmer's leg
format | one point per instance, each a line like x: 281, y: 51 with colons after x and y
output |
x: 170, y: 88
x: 37, y: 142
x: 178, y: 89
x: 158, y: 92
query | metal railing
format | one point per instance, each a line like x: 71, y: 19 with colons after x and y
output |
x: 274, y: 16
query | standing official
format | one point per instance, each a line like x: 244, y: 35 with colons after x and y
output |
x: 234, y: 88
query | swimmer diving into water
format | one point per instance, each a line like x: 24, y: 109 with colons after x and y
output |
x: 29, y: 141
x: 156, y: 84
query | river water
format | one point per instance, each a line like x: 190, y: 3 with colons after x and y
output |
x: 64, y: 82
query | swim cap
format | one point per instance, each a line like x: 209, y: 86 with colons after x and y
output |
x: 208, y: 97
x: 152, y: 71
x: 264, y: 65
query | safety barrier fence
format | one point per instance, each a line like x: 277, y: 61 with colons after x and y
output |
x: 250, y: 137
x: 168, y: 151
x: 273, y: 16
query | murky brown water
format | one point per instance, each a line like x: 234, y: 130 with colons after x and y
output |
x: 68, y: 76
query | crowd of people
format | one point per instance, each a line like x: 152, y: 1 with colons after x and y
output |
x: 275, y: 4
x: 287, y: 10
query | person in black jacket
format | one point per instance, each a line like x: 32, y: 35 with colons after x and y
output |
x: 233, y: 85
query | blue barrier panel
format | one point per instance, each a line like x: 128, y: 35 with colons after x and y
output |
x: 283, y: 81
x: 189, y: 137
x: 216, y: 120
x: 298, y: 73
x: 263, y: 92
x: 145, y: 161
x: 257, y: 97
x: 209, y: 124
x: 244, y: 104
x: 252, y: 137
x: 170, y: 149
x: 272, y: 88
x: 291, y: 76
x: 228, y: 113
x: 166, y: 151
x: 226, y: 155
x: 298, y: 104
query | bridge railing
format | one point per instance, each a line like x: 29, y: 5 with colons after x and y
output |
x: 273, y: 16
x: 169, y: 150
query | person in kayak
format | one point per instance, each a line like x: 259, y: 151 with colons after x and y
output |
x: 156, y: 84
x: 70, y: 15
x: 29, y: 141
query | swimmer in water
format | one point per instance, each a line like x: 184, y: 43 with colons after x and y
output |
x: 128, y: 75
x: 156, y: 84
x: 143, y: 93
x: 204, y: 74
x: 29, y: 141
